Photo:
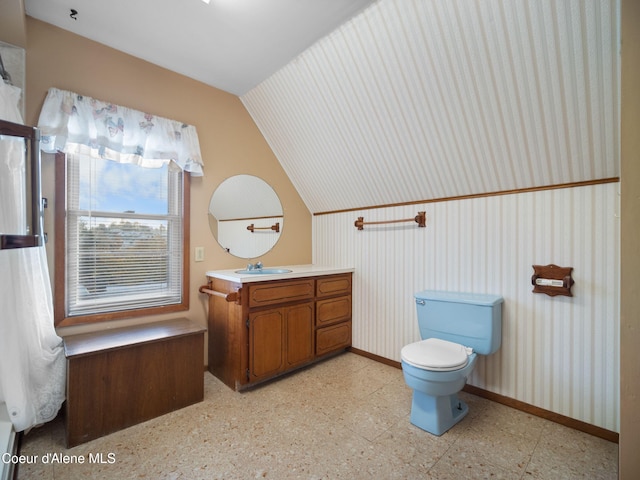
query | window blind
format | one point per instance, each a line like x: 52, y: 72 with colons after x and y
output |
x: 124, y: 236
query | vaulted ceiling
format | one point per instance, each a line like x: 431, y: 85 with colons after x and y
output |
x: 427, y: 99
x: 409, y: 100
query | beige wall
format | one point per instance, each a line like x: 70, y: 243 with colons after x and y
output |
x: 629, y: 233
x: 230, y: 142
x: 12, y: 23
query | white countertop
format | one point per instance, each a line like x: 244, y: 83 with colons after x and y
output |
x: 296, y: 272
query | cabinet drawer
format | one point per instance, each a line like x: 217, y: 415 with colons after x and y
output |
x: 333, y: 285
x: 280, y: 292
x: 333, y: 310
x: 333, y: 338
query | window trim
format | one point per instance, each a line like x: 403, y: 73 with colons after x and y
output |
x: 60, y: 315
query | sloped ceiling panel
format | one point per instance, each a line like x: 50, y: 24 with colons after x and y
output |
x: 427, y: 99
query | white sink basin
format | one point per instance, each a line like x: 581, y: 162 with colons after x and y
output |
x: 264, y: 271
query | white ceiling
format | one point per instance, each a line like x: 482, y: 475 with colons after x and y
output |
x: 232, y: 45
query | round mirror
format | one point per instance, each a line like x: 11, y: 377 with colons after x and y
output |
x: 245, y: 216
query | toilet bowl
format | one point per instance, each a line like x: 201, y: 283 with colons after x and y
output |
x: 455, y: 328
x: 435, y: 404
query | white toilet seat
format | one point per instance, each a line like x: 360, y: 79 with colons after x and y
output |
x: 436, y: 354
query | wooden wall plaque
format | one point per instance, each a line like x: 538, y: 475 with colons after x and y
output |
x: 552, y: 280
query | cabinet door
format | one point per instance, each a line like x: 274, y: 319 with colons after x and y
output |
x: 299, y: 334
x: 266, y: 343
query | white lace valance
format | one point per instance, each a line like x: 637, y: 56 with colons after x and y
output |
x: 74, y: 123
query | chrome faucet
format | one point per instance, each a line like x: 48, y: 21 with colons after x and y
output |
x: 256, y: 266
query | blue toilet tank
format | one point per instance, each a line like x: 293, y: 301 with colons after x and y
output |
x: 470, y: 319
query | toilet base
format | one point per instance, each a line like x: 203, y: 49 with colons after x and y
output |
x: 438, y: 414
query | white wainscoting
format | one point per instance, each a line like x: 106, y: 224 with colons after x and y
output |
x: 558, y: 353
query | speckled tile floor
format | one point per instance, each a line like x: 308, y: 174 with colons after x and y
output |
x: 347, y: 417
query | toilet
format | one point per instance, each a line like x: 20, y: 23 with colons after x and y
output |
x: 455, y: 328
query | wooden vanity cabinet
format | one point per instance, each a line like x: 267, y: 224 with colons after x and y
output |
x: 260, y: 330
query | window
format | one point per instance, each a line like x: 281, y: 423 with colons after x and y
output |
x: 123, y: 250
x: 121, y: 210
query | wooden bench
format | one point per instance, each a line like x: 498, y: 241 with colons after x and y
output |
x: 121, y: 377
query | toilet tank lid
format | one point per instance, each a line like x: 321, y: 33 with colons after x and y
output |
x: 487, y: 299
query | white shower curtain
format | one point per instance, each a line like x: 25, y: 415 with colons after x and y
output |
x: 32, y: 362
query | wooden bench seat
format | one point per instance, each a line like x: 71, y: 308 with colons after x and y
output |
x: 121, y: 377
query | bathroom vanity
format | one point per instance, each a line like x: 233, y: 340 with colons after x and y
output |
x: 262, y: 325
